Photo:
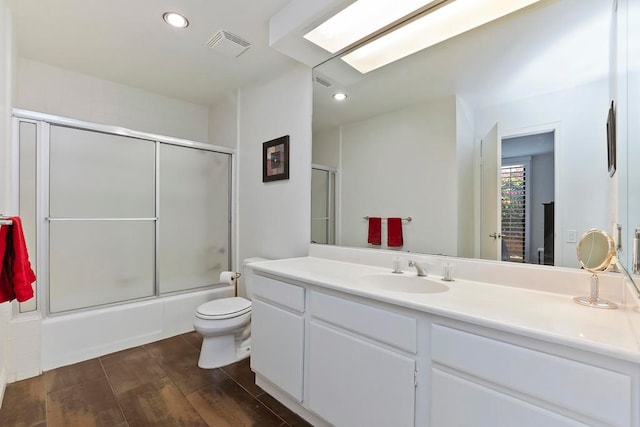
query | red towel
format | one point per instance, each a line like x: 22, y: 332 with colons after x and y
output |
x: 375, y: 231
x: 16, y: 275
x: 394, y: 232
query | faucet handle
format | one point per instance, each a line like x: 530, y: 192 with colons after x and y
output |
x: 447, y: 271
x: 397, y: 265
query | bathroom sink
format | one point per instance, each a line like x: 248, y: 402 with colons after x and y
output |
x: 405, y: 283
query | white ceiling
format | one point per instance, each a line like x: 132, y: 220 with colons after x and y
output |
x: 551, y: 45
x: 126, y: 41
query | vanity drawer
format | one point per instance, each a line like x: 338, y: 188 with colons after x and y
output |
x: 387, y: 327
x: 280, y: 293
x: 584, y: 389
x: 458, y: 402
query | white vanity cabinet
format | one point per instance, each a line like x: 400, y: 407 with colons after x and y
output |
x: 349, y: 363
x: 480, y: 381
x: 278, y: 334
x: 362, y: 363
x: 352, y: 358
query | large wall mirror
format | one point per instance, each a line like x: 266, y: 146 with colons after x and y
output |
x: 493, y: 142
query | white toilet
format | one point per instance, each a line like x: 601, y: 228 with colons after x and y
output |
x: 225, y: 325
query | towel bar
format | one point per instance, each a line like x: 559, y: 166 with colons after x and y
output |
x: 408, y: 219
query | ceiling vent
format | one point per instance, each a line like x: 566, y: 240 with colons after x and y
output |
x: 323, y: 82
x: 228, y: 44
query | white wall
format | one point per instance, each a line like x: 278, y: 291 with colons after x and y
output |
x: 274, y: 217
x: 223, y: 122
x: 583, y: 196
x: 465, y: 141
x: 6, y: 71
x: 326, y: 147
x: 402, y: 164
x: 48, y: 89
x: 19, y: 338
x: 7, y: 65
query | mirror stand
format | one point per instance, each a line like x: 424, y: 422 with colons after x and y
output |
x: 594, y: 300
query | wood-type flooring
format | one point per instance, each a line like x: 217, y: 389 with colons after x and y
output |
x: 157, y: 384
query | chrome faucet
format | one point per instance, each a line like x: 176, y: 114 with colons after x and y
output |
x: 421, y: 267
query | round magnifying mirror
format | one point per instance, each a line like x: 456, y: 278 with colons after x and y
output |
x: 596, y: 252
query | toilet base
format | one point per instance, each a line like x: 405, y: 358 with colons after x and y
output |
x: 222, y: 350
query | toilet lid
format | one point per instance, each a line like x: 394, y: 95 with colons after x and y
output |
x: 224, y: 308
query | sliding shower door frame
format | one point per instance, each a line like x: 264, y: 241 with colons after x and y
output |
x: 331, y: 203
x: 43, y: 220
x: 14, y: 207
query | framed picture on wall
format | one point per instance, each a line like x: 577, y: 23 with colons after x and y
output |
x: 275, y: 159
x: 611, y: 140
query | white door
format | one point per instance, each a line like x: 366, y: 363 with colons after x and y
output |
x: 490, y: 154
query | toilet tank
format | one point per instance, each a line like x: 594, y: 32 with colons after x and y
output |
x: 247, y: 274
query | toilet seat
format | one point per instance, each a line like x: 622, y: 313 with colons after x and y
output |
x: 224, y: 308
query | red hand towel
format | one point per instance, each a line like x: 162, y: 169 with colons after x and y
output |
x: 394, y: 232
x: 375, y: 231
x: 16, y: 275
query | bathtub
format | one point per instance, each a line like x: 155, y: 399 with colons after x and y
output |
x: 75, y: 337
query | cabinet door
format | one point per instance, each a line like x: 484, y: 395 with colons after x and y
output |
x: 353, y: 382
x: 456, y: 402
x: 277, y: 346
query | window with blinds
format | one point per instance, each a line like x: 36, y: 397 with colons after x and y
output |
x: 513, y: 178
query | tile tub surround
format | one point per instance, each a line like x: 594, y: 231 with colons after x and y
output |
x: 153, y: 384
x: 525, y: 300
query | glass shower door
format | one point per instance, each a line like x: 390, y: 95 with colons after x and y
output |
x: 101, y: 218
x: 118, y: 217
x: 195, y: 217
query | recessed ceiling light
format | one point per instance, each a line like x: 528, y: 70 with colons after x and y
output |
x: 175, y: 19
x: 360, y: 19
x: 339, y: 96
x: 452, y: 19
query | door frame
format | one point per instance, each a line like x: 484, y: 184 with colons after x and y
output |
x: 556, y: 128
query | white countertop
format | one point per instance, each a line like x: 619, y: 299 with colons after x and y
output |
x: 552, y: 317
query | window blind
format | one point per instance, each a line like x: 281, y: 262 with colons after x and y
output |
x: 514, y: 211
